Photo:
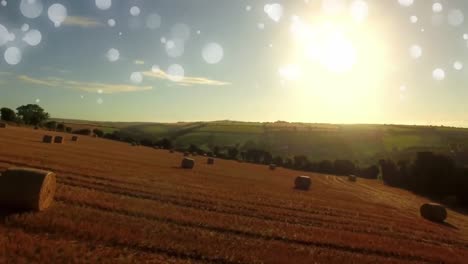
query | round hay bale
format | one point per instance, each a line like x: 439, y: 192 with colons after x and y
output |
x: 272, y: 166
x: 188, y: 163
x: 58, y: 140
x: 210, y: 161
x: 27, y: 189
x: 352, y: 178
x: 3, y: 125
x: 48, y: 139
x: 433, y: 212
x: 75, y: 138
x: 186, y: 154
x: 302, y: 183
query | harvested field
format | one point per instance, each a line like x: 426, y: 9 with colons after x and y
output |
x: 119, y: 204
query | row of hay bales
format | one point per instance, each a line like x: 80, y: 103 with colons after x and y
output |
x: 188, y: 163
x: 57, y: 139
x: 27, y: 189
x: 431, y: 211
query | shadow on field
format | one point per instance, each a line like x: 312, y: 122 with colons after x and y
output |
x: 5, y: 213
x: 449, y: 225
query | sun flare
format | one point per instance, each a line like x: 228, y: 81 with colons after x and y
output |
x: 336, y: 62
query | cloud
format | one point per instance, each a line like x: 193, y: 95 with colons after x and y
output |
x: 139, y: 62
x: 90, y: 87
x: 186, y: 81
x: 27, y: 79
x: 52, y: 69
x: 79, y: 21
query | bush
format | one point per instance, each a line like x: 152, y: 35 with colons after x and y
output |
x: 98, y: 132
x: 61, y: 127
x: 85, y: 131
x: 51, y: 125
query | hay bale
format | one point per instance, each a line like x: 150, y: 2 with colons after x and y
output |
x: 433, y: 212
x: 186, y: 154
x: 188, y: 163
x: 75, y: 138
x: 272, y: 166
x: 58, y: 140
x: 302, y: 183
x: 3, y: 125
x: 171, y: 151
x: 352, y: 178
x: 27, y: 189
x: 36, y: 127
x: 210, y: 161
x: 48, y: 139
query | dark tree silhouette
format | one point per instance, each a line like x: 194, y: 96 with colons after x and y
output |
x: 233, y: 152
x: 51, y: 125
x: 32, y: 114
x: 8, y: 114
x: 98, y: 132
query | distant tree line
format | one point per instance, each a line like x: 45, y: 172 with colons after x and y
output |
x: 430, y: 174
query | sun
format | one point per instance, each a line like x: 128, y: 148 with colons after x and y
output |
x: 325, y: 44
x: 339, y: 64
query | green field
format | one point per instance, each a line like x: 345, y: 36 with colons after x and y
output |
x: 363, y: 143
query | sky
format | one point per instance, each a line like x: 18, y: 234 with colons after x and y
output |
x: 319, y: 61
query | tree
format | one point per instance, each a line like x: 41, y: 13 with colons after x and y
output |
x: 144, y: 142
x: 300, y: 162
x: 278, y: 161
x: 32, y: 114
x: 371, y: 172
x: 8, y: 114
x: 267, y: 157
x: 98, y: 132
x: 344, y: 167
x: 233, y: 152
x: 433, y: 174
x: 164, y: 143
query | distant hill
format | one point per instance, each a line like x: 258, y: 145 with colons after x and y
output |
x: 364, y: 143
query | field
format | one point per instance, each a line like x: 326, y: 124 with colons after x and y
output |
x: 364, y: 143
x: 121, y: 204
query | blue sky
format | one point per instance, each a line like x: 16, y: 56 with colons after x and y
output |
x: 334, y: 61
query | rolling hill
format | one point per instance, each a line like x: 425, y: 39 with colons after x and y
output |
x: 363, y: 143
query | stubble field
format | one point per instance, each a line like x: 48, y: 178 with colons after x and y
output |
x: 121, y: 204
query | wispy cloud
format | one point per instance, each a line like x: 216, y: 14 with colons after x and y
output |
x: 55, y: 70
x: 139, y: 62
x: 79, y: 21
x: 90, y: 87
x: 185, y: 81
